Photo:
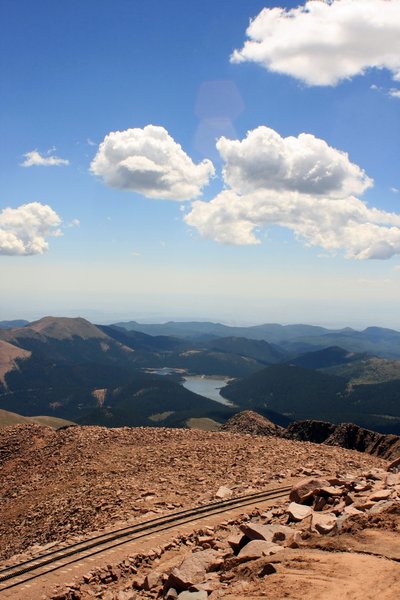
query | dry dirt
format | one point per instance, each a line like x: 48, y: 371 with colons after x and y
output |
x: 58, y: 485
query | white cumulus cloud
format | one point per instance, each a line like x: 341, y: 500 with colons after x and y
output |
x: 322, y: 43
x: 301, y: 184
x: 150, y: 162
x: 305, y: 163
x: 23, y: 230
x: 35, y: 159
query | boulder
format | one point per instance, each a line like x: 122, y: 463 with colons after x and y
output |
x: 152, y: 580
x: 380, y: 507
x: 257, y: 549
x: 304, y: 490
x: 323, y: 522
x: 332, y: 491
x: 268, y: 533
x: 193, y: 569
x: 379, y: 495
x: 298, y: 512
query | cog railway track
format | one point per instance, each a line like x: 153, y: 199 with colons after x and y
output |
x: 45, y: 563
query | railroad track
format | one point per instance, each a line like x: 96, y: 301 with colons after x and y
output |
x: 47, y: 562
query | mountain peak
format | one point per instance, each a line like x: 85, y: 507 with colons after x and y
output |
x: 64, y: 328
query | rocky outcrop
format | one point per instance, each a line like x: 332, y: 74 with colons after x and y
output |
x: 348, y: 435
x: 345, y: 435
x: 251, y: 422
x: 309, y: 431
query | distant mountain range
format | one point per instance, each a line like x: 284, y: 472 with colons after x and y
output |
x: 293, y: 339
x: 75, y: 370
x: 12, y: 324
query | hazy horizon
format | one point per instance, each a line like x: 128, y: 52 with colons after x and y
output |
x: 104, y: 318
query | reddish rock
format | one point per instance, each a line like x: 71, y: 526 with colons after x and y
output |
x: 294, y: 541
x: 236, y: 541
x: 305, y: 489
x: 320, y: 503
x: 268, y: 533
x: 257, y: 549
x: 194, y: 568
x: 394, y: 465
x: 223, y: 493
x: 332, y: 491
x: 323, y: 522
x: 153, y: 579
x: 298, y: 512
x: 379, y: 495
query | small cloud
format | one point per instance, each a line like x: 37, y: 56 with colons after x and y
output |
x: 90, y: 142
x: 392, y: 92
x: 23, y: 230
x: 136, y: 254
x: 35, y: 159
x: 395, y: 190
x: 74, y: 223
x: 163, y: 244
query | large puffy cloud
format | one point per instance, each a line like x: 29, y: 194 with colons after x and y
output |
x: 35, y: 159
x: 301, y: 184
x: 305, y: 163
x: 322, y: 43
x: 150, y: 162
x: 334, y: 224
x: 23, y: 230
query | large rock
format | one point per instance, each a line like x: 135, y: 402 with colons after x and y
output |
x: 380, y: 495
x: 323, y: 522
x: 305, y: 489
x: 298, y: 512
x: 194, y: 568
x: 223, y: 493
x: 257, y: 549
x: 268, y: 533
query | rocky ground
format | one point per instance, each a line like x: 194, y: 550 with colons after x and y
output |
x: 61, y: 485
x: 337, y: 537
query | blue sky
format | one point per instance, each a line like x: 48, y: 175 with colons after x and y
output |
x: 72, y: 72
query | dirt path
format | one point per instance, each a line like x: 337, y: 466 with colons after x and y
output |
x: 318, y: 575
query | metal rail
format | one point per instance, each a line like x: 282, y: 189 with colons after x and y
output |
x: 44, y: 563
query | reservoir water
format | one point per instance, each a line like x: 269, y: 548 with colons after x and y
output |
x: 204, y: 385
x: 207, y: 386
